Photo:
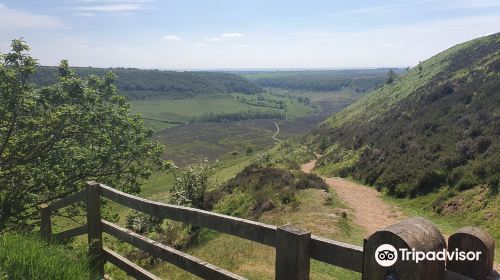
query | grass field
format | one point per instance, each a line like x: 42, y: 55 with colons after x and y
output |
x: 256, y: 261
x: 187, y: 143
x: 316, y: 210
x: 164, y: 113
x: 28, y: 257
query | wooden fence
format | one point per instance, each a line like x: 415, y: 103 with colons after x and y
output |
x: 294, y: 247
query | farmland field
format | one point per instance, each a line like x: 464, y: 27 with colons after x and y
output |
x: 190, y: 142
x: 165, y: 113
x: 179, y: 123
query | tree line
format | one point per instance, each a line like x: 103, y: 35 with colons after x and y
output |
x: 239, y: 116
x: 144, y: 84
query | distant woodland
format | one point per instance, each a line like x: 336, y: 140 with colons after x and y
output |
x: 144, y: 84
x: 360, y: 80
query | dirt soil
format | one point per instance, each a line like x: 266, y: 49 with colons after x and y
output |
x: 369, y: 210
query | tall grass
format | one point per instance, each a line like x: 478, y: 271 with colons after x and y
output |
x: 27, y: 257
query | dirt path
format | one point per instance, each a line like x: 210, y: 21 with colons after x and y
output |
x: 369, y: 210
x: 277, y: 132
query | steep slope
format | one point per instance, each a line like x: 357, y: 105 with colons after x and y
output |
x: 141, y: 84
x: 438, y: 125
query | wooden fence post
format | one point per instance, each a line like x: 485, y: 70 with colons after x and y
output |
x: 94, y: 226
x: 45, y: 222
x: 292, y: 253
x: 415, y: 233
x: 472, y: 239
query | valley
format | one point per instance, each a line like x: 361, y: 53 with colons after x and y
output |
x: 353, y: 210
x: 339, y: 153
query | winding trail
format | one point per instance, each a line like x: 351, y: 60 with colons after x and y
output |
x: 277, y: 132
x: 369, y: 210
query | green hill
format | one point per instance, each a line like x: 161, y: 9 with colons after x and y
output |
x: 438, y: 125
x: 142, y: 84
x: 359, y: 80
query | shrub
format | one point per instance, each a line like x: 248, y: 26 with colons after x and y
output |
x: 27, y: 257
x: 493, y: 185
x: 466, y: 183
x: 191, y: 185
x: 143, y: 223
x: 429, y: 181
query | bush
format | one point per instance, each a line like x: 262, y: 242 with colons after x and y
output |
x: 143, y: 223
x: 430, y: 181
x: 191, y: 185
x: 26, y: 257
x: 466, y: 183
x: 493, y: 185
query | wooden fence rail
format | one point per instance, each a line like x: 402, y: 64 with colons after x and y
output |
x: 294, y: 247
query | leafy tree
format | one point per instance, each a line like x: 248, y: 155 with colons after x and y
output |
x: 191, y: 185
x: 54, y: 138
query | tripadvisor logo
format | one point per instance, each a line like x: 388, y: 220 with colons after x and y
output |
x: 386, y: 255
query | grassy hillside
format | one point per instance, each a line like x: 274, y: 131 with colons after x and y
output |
x: 266, y: 187
x: 359, y: 80
x: 434, y: 132
x: 142, y: 84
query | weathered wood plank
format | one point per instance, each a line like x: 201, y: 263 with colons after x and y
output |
x: 71, y: 233
x: 45, y: 223
x: 337, y: 253
x: 472, y: 239
x: 450, y: 275
x: 71, y: 199
x: 414, y: 233
x: 94, y: 227
x: 258, y: 232
x: 292, y: 253
x: 129, y: 267
x: 184, y: 261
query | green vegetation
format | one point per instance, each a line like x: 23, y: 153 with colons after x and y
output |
x: 164, y: 113
x: 451, y: 210
x: 361, y: 80
x: 54, y: 138
x: 240, y: 116
x: 430, y: 128
x: 144, y: 84
x: 429, y: 138
x: 260, y: 187
x: 27, y: 257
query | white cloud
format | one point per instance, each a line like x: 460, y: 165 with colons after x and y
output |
x: 11, y: 19
x: 171, y: 38
x: 214, y: 39
x: 225, y: 36
x: 109, y: 8
x: 232, y: 35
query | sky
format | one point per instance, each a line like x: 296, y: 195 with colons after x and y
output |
x: 243, y: 34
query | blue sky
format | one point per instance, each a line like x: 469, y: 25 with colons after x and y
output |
x: 238, y: 34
